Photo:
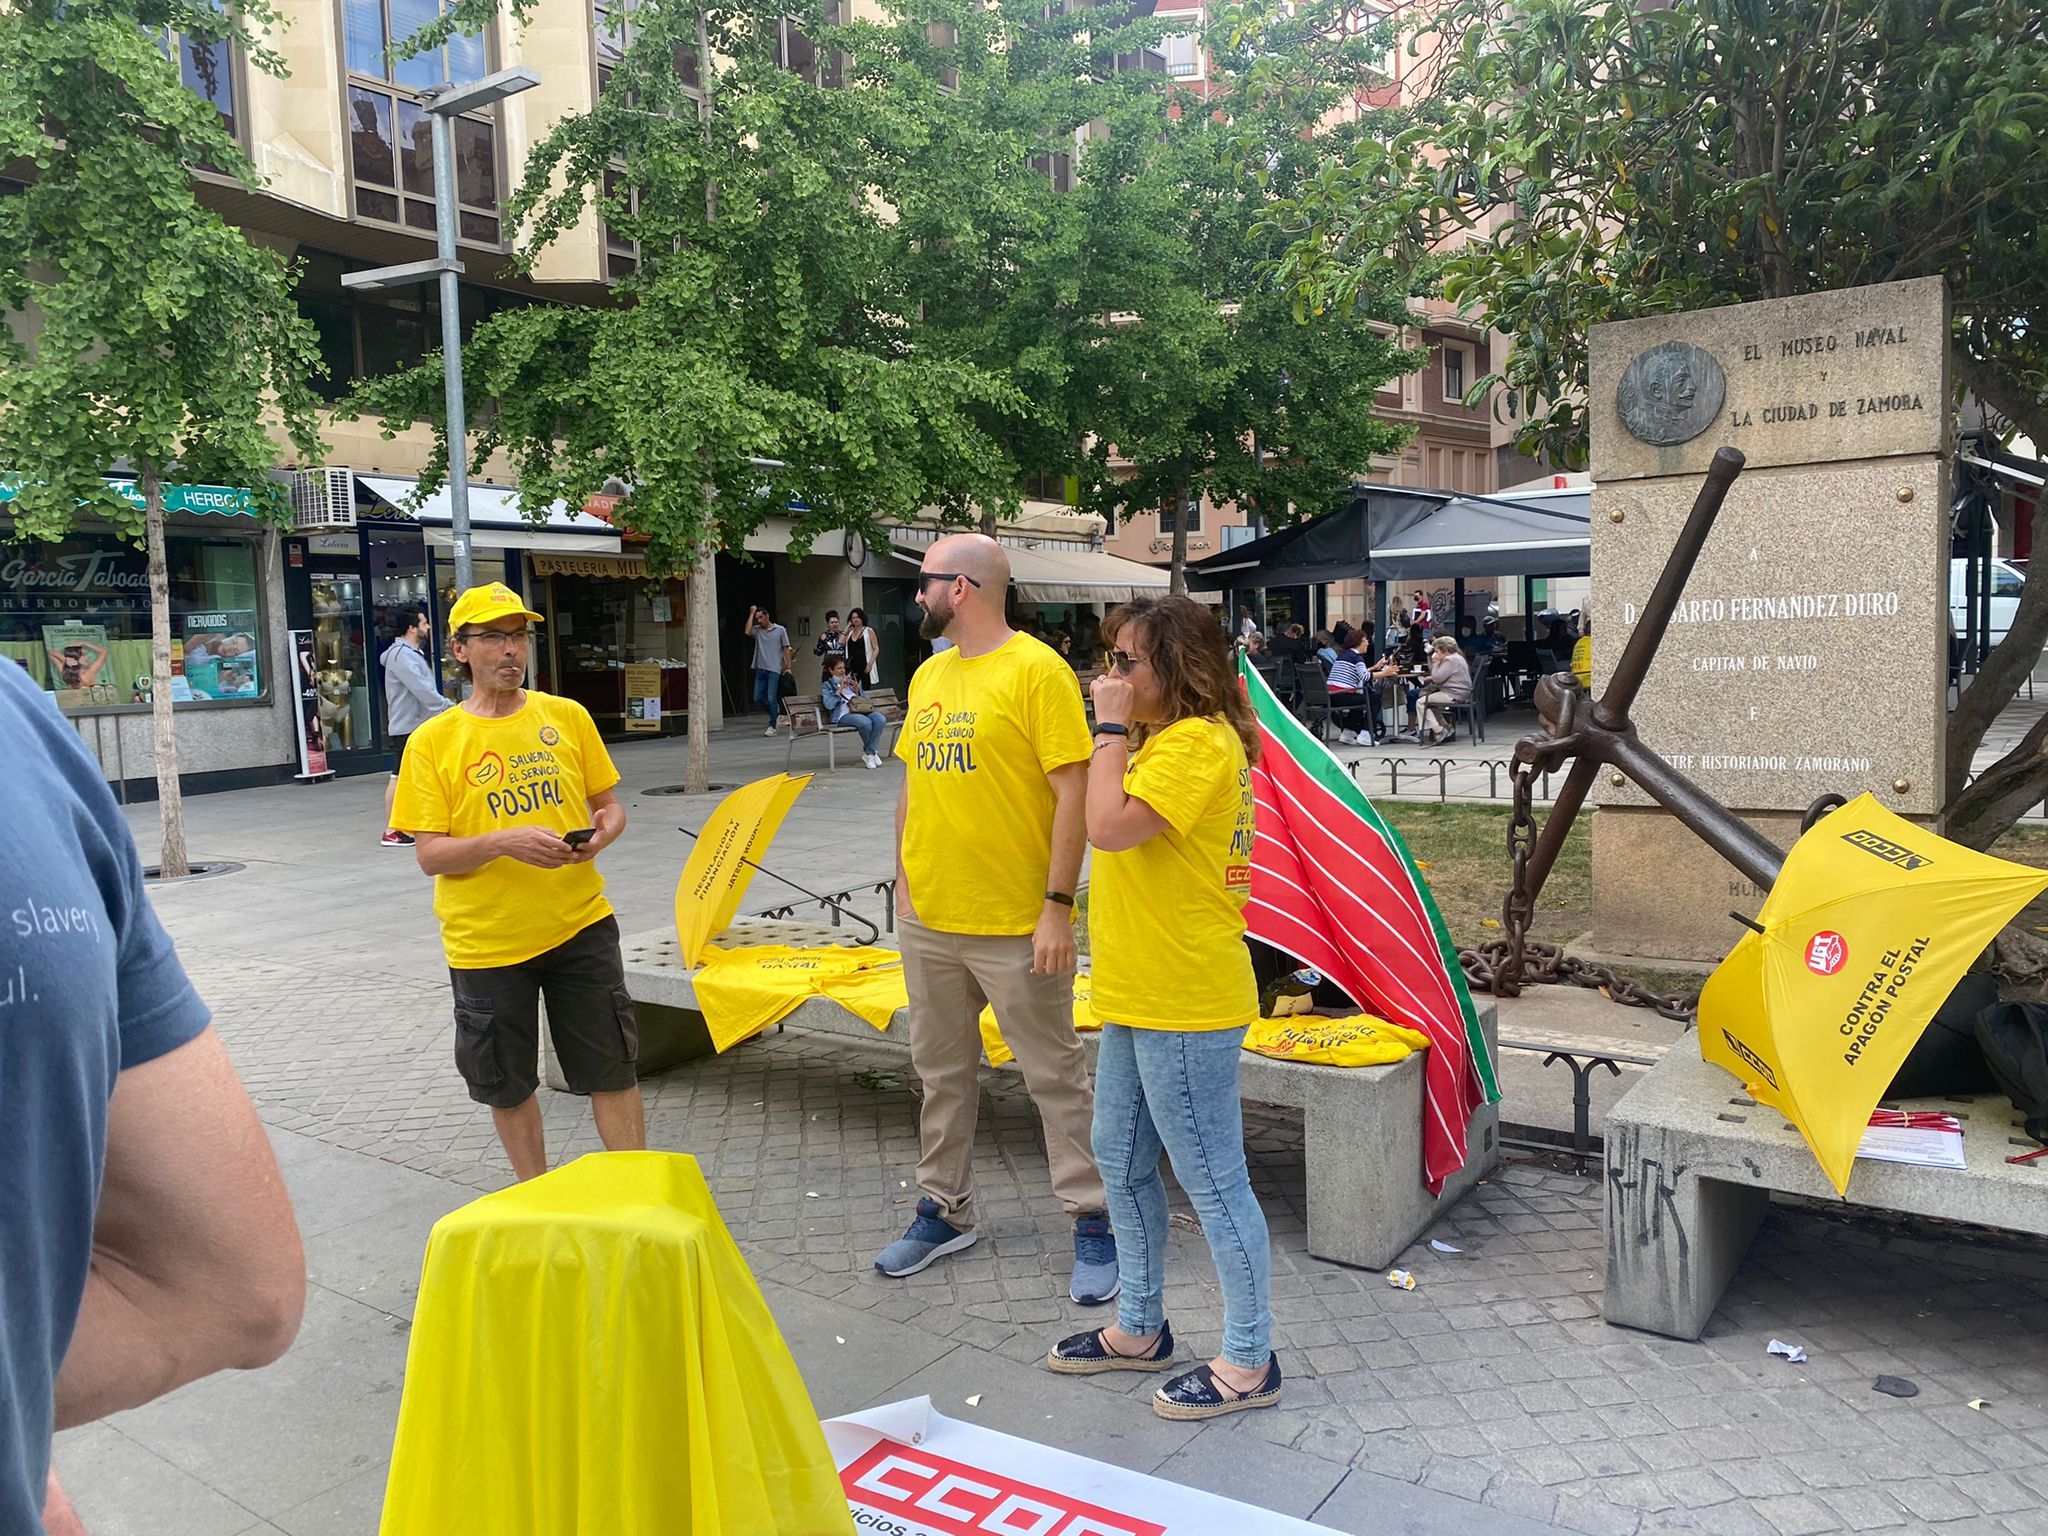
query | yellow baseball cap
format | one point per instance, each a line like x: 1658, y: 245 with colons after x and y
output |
x: 480, y: 605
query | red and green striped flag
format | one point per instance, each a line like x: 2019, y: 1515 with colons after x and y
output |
x: 1334, y: 886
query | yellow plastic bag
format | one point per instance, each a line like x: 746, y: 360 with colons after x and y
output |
x: 591, y: 1357
x: 1359, y: 1041
x: 998, y: 1051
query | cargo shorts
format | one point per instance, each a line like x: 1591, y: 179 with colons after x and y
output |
x: 590, y: 1019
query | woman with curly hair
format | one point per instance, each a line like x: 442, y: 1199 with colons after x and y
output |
x: 1170, y: 818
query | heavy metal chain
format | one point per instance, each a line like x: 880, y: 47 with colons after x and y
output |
x: 1529, y: 960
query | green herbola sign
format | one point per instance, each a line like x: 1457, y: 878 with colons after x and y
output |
x: 220, y: 500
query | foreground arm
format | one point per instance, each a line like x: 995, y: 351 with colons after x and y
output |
x: 196, y: 1262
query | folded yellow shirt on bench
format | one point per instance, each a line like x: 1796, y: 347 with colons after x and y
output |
x: 1359, y: 1041
x: 742, y: 991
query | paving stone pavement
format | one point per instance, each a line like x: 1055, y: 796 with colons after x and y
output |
x: 1492, y: 1397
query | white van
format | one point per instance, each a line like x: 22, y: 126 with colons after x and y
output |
x: 2007, y: 581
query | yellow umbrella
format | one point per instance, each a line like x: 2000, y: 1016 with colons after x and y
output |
x: 1871, y: 923
x: 716, y: 876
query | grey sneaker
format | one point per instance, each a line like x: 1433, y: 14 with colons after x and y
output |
x: 1095, y: 1273
x: 930, y: 1237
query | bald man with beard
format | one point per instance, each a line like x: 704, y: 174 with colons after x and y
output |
x: 990, y: 829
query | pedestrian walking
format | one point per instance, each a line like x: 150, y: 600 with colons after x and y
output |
x: 773, y: 657
x: 146, y: 1239
x: 1170, y: 817
x: 410, y: 701
x: 511, y: 797
x: 990, y: 830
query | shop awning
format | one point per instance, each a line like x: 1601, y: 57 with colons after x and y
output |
x: 485, y: 536
x: 1070, y: 574
x: 495, y: 521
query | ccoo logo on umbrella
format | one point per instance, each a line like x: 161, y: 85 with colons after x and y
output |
x: 1868, y: 928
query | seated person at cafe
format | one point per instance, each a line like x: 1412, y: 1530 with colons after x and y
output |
x: 1290, y: 644
x: 1349, y: 691
x: 1450, y: 682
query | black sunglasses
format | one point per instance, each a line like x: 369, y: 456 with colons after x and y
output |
x: 926, y: 578
x: 1124, y: 662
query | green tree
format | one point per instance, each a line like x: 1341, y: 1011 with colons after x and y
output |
x: 994, y: 99
x: 1196, y: 366
x: 764, y: 354
x: 1602, y: 162
x: 141, y: 328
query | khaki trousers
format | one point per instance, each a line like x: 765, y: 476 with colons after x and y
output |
x: 950, y: 977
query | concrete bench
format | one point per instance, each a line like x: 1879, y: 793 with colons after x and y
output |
x: 1692, y: 1162
x: 1362, y: 1126
x: 807, y: 723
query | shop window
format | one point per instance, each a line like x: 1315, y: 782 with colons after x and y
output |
x: 391, y: 156
x: 74, y: 614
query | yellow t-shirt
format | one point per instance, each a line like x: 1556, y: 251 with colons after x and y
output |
x: 978, y: 739
x: 1582, y: 662
x: 465, y: 775
x: 1166, y: 918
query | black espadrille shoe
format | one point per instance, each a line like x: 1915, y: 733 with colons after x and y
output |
x: 1197, y: 1395
x: 1086, y: 1354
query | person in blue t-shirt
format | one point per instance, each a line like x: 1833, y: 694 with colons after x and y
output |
x: 145, y: 1236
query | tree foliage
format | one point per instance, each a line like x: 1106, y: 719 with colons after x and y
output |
x: 1201, y: 373
x: 1577, y: 162
x: 140, y: 328
x: 764, y: 356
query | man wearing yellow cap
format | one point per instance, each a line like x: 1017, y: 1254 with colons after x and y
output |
x: 510, y: 799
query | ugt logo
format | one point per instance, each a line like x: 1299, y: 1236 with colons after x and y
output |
x: 1826, y: 952
x: 485, y: 771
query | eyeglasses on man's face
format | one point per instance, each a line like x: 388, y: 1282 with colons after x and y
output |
x: 496, y: 639
x: 926, y: 578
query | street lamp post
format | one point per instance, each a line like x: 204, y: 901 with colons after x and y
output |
x: 443, y: 106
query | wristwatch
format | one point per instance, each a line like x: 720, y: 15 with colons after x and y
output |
x: 1111, y: 728
x: 1061, y: 897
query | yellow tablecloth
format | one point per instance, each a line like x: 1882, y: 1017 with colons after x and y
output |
x: 591, y: 1357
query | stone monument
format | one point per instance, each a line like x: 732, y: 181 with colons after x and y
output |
x: 1809, y: 654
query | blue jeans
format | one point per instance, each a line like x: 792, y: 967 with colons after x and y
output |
x: 768, y: 692
x: 869, y: 726
x: 1176, y: 1091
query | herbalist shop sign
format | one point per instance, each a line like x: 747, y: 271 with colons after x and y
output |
x: 218, y: 500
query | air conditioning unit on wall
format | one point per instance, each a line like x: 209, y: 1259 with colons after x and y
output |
x: 323, y: 498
